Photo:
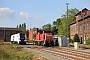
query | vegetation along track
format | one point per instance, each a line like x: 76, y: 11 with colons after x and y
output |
x: 66, y: 53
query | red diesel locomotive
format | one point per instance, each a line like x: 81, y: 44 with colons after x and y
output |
x: 45, y: 39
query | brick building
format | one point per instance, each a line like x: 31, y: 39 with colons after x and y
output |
x: 5, y: 32
x: 81, y: 26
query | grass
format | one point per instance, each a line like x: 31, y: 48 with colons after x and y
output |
x: 30, y: 41
x: 14, y: 52
x: 1, y: 42
x: 84, y: 45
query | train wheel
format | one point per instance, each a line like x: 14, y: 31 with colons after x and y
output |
x: 11, y: 42
x: 42, y: 43
x: 52, y: 43
x: 36, y: 43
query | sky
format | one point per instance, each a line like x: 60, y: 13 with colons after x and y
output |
x: 35, y: 13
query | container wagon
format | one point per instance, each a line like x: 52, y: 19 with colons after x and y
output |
x: 44, y: 39
x: 19, y: 38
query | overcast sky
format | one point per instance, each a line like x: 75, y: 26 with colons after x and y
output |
x: 35, y: 13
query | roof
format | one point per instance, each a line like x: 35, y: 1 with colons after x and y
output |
x: 82, y: 11
x: 8, y: 28
x: 86, y: 16
x: 73, y: 22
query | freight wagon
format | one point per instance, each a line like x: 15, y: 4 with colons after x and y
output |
x: 45, y: 39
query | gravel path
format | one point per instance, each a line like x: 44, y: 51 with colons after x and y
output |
x: 47, y: 55
x: 50, y: 56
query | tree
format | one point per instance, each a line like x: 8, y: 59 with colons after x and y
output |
x: 30, y: 29
x: 17, y: 26
x: 20, y: 25
x: 61, y: 22
x: 53, y: 28
x: 76, y: 38
x: 23, y: 25
x: 88, y: 41
x: 34, y: 28
x: 46, y: 27
x: 54, y: 23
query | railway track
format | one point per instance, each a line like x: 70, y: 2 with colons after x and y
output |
x: 66, y: 53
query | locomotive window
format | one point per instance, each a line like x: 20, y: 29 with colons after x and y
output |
x: 22, y: 35
x: 44, y: 36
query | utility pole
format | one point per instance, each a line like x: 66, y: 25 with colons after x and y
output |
x: 67, y: 19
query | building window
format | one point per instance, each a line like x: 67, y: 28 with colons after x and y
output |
x: 75, y: 29
x: 13, y: 32
x: 7, y: 32
x: 7, y: 38
x: 1, y: 32
x: 87, y: 26
x: 71, y: 30
x: 1, y: 37
x: 80, y: 28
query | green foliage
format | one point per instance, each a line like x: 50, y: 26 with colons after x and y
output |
x: 53, y: 28
x: 20, y: 25
x: 76, y: 38
x: 88, y: 41
x: 29, y: 41
x: 46, y: 27
x: 23, y: 25
x: 11, y: 52
x: 17, y: 26
x: 62, y: 27
x: 71, y: 41
x: 60, y: 23
x: 34, y: 28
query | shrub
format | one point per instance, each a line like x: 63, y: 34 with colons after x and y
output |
x: 70, y: 41
x: 29, y: 41
x: 88, y: 41
x: 76, y: 38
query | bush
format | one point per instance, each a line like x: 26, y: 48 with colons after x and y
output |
x: 88, y: 41
x: 76, y: 38
x: 70, y: 41
x: 29, y: 41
